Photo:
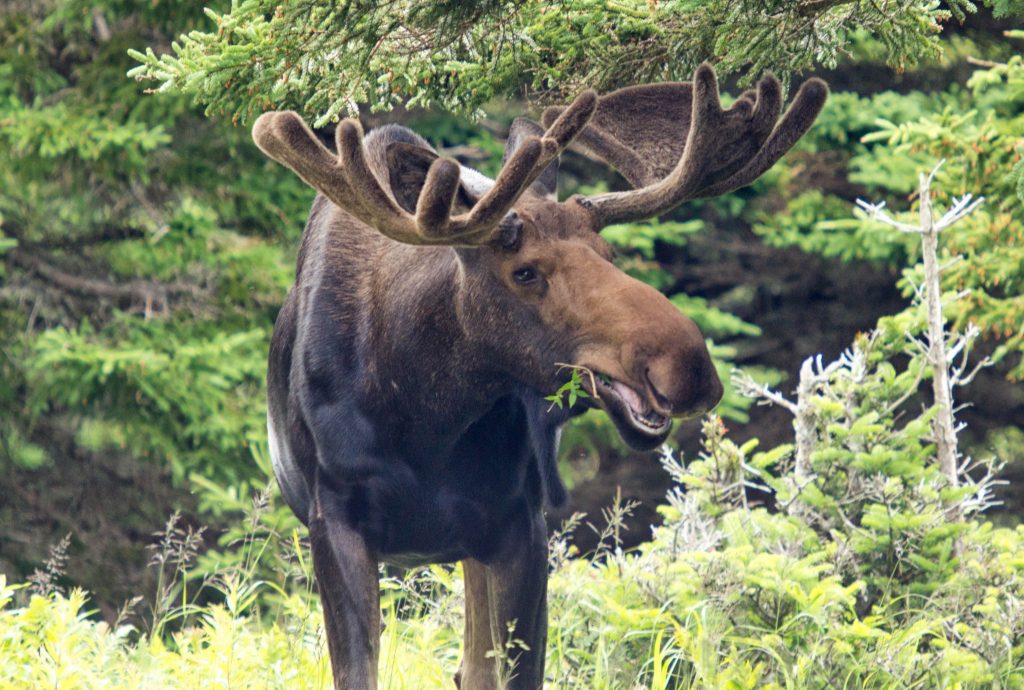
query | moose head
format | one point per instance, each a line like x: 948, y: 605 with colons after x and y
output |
x: 435, y: 308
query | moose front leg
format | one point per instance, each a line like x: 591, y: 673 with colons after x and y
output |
x: 477, y: 671
x: 506, y: 613
x: 346, y: 575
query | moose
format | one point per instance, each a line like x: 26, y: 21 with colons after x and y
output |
x: 433, y: 311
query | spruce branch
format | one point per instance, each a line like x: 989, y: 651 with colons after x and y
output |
x: 814, y: 377
x: 335, y: 56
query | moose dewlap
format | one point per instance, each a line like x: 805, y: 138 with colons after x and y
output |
x: 434, y: 309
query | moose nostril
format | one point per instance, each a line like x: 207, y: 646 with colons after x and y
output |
x: 663, y: 402
x: 686, y: 385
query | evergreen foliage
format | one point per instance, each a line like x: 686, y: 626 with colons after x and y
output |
x: 327, y: 58
x: 145, y: 249
x: 887, y: 139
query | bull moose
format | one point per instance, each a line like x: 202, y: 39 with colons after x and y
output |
x: 432, y: 306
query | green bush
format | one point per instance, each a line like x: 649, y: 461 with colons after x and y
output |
x: 747, y: 599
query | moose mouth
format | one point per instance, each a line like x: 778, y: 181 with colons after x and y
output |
x: 638, y: 423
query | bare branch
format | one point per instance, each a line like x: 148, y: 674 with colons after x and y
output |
x: 960, y: 208
x: 99, y: 236
x: 150, y: 293
x: 938, y: 349
x: 984, y: 63
x: 958, y: 378
x: 750, y: 388
x: 876, y: 212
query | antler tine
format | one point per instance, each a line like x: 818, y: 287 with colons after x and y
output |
x: 515, y: 176
x: 348, y: 179
x: 284, y: 137
x: 724, y: 149
x: 530, y: 160
x: 572, y: 121
x: 801, y: 115
x: 377, y: 206
x: 434, y: 205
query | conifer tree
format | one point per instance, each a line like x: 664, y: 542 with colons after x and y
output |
x: 143, y: 252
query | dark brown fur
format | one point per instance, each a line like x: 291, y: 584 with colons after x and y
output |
x: 433, y: 312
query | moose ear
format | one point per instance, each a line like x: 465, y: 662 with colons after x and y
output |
x: 547, y: 184
x: 407, y: 171
x: 408, y: 165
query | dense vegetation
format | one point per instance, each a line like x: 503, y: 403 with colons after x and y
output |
x: 146, y: 246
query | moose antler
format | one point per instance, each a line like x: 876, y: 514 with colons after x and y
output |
x: 348, y: 180
x: 674, y: 142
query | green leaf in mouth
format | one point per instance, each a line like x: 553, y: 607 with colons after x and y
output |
x: 572, y: 389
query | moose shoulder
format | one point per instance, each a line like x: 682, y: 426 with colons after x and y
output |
x: 434, y: 310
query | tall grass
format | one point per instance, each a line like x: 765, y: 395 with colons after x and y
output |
x: 747, y: 600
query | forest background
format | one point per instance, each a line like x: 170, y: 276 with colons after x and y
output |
x: 146, y: 246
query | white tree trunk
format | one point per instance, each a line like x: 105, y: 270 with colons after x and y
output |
x: 943, y: 424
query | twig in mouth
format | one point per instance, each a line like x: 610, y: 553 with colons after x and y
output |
x: 589, y: 372
x: 574, y: 387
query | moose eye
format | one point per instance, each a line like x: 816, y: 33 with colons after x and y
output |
x: 524, y: 275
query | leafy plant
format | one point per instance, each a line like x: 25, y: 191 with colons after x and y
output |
x: 572, y: 390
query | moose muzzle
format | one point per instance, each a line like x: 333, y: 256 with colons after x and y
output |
x: 650, y: 362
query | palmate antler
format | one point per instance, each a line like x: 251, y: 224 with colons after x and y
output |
x: 349, y: 182
x: 674, y: 142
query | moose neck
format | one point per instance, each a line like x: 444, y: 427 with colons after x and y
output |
x: 430, y: 339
